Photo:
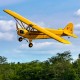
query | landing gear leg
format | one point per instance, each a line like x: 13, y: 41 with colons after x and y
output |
x: 30, y: 44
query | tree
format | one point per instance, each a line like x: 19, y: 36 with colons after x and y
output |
x: 58, y: 67
x: 79, y: 56
x: 76, y: 66
x: 3, y: 59
x: 61, y: 57
x: 61, y: 67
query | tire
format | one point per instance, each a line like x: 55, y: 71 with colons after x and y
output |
x: 30, y: 45
x: 20, y: 39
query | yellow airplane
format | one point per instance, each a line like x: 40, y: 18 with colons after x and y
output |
x: 31, y: 31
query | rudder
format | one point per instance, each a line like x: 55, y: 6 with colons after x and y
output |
x: 69, y: 28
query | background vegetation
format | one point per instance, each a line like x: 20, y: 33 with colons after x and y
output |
x: 59, y: 67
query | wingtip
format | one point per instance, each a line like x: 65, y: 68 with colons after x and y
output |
x: 68, y: 42
x: 75, y: 36
x: 6, y: 10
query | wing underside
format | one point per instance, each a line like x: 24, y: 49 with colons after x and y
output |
x: 39, y: 28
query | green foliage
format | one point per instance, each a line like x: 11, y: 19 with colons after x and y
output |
x: 58, y: 67
x: 3, y: 59
x: 61, y: 57
x: 76, y: 66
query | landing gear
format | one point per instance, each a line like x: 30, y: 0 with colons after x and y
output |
x: 30, y: 41
x: 20, y: 39
x: 68, y: 37
x: 30, y: 45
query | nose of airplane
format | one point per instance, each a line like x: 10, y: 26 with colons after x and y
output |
x: 22, y: 32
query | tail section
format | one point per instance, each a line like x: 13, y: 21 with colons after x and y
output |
x: 68, y: 30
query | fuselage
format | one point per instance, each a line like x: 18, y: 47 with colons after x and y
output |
x: 38, y: 35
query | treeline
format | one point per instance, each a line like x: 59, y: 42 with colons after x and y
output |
x: 59, y: 67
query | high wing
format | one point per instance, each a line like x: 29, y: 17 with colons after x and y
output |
x: 43, y: 30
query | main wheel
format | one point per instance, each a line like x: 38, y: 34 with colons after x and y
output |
x: 30, y: 45
x: 20, y: 39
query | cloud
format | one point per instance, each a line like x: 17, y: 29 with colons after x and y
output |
x: 41, y: 45
x: 49, y: 48
x: 44, y: 46
x: 77, y: 26
x: 17, y: 51
x: 37, y: 45
x: 6, y: 36
x: 77, y: 12
x: 7, y: 25
x: 6, y: 30
x: 42, y: 24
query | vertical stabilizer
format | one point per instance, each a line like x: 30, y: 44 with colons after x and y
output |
x: 68, y: 30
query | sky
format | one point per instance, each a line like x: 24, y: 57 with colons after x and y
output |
x: 46, y: 13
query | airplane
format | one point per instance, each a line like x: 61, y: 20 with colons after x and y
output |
x: 28, y: 30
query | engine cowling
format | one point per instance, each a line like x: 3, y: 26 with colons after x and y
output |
x: 22, y: 32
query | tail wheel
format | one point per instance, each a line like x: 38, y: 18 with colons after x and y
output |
x: 30, y: 45
x: 68, y: 37
x: 20, y: 39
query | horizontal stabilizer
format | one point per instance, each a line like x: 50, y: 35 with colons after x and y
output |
x: 68, y: 30
x: 69, y: 34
